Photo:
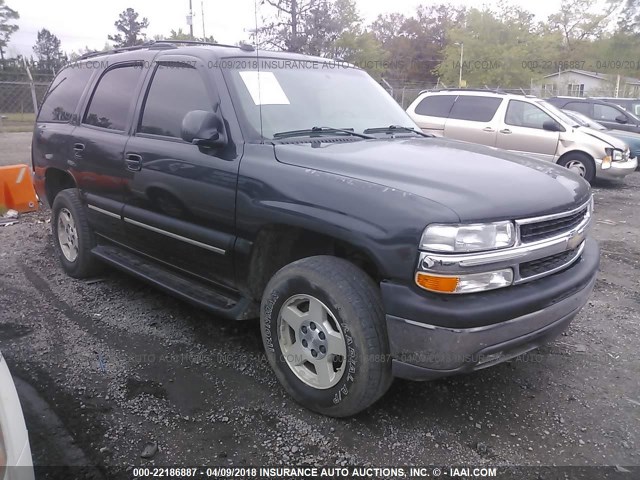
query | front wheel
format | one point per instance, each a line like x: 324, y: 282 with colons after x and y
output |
x: 581, y: 164
x: 323, y: 329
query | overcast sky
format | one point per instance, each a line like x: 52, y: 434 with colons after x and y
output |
x: 80, y: 23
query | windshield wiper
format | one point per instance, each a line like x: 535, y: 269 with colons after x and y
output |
x: 396, y: 128
x: 317, y: 131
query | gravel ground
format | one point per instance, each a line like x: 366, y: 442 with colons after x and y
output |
x: 110, y: 366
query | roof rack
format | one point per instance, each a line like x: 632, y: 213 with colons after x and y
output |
x: 160, y: 44
x: 484, y: 90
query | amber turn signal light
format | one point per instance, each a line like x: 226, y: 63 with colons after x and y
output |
x: 436, y: 283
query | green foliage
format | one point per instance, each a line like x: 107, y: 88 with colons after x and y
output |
x: 7, y: 25
x: 47, y: 49
x: 129, y: 29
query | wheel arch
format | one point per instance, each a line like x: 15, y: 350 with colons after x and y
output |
x: 55, y: 181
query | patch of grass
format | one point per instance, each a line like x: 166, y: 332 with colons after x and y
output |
x: 17, y: 122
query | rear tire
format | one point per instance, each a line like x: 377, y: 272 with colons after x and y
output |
x: 324, y: 333
x: 73, y: 239
x: 580, y: 163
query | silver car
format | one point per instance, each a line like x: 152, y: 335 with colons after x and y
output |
x: 15, y: 451
x: 523, y: 124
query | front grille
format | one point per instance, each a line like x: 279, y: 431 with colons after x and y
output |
x: 546, y: 264
x: 533, y: 232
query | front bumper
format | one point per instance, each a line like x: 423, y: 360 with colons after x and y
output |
x: 618, y: 170
x: 446, y: 336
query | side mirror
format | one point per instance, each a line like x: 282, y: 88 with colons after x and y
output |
x: 551, y: 126
x: 203, y: 128
x: 622, y: 119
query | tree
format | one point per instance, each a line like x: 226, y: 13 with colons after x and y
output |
x: 47, y: 49
x: 7, y: 27
x: 130, y: 29
x: 285, y: 31
x: 579, y: 20
x: 180, y: 35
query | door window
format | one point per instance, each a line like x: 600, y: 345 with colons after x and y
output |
x: 435, y: 106
x: 475, y: 108
x: 605, y: 113
x: 112, y: 98
x: 523, y: 114
x: 175, y: 90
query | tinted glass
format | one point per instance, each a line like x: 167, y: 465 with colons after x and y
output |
x: 436, y: 106
x: 581, y: 107
x: 175, y: 91
x: 523, y: 114
x: 477, y: 109
x: 64, y: 94
x: 606, y: 113
x: 112, y: 98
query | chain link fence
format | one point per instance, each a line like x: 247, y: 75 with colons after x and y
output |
x: 20, y: 95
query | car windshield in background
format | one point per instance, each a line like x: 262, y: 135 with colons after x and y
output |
x: 583, y: 120
x: 303, y: 94
x: 558, y: 113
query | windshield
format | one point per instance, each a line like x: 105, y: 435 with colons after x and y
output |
x: 560, y: 115
x: 300, y: 95
x: 584, y: 121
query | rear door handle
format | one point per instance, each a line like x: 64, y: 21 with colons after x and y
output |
x: 505, y: 130
x: 133, y: 161
x: 488, y: 129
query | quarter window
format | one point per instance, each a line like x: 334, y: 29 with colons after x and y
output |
x: 475, y: 108
x: 435, y: 106
x: 523, y: 114
x: 111, y: 100
x: 175, y: 90
x: 64, y: 93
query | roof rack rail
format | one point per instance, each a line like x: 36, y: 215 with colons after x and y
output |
x: 164, y: 44
x: 485, y: 90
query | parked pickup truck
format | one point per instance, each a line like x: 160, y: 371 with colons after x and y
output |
x: 294, y: 189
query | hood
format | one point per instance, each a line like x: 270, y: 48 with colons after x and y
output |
x: 477, y: 182
x: 610, y: 140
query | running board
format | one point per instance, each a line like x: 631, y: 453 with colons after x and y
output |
x: 194, y: 292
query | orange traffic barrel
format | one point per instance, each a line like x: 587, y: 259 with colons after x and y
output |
x: 16, y: 189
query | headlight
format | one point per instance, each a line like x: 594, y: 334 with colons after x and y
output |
x: 614, y: 154
x: 467, y: 238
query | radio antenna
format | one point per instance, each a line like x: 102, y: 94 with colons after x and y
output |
x: 255, y: 12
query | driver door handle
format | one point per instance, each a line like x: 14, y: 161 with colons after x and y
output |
x: 505, y: 130
x: 488, y: 129
x: 133, y: 161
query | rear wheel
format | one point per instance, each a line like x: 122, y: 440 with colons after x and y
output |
x: 581, y: 164
x: 73, y: 239
x: 324, y: 333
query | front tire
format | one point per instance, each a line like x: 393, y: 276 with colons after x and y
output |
x: 324, y: 333
x: 581, y: 164
x: 73, y: 239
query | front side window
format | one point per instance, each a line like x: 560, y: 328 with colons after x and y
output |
x: 175, y: 90
x: 112, y: 98
x: 605, y: 112
x: 435, y: 106
x: 523, y: 114
x: 64, y: 93
x: 582, y: 107
x: 475, y: 108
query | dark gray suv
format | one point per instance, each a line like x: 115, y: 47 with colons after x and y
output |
x: 295, y: 190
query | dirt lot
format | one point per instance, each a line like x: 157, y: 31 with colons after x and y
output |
x: 105, y: 366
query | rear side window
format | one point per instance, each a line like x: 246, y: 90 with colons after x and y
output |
x: 64, y: 94
x: 435, y: 106
x: 111, y: 100
x: 582, y: 107
x: 475, y: 108
x: 175, y: 90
